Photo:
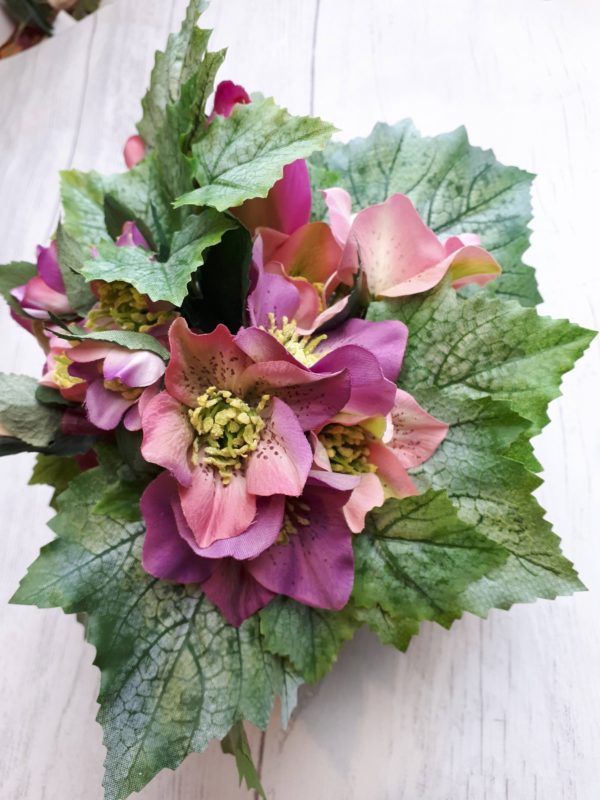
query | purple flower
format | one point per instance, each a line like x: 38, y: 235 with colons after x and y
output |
x: 45, y: 293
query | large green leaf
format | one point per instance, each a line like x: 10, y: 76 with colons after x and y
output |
x: 12, y: 275
x: 166, y: 280
x: 485, y: 346
x: 243, y: 155
x: 71, y: 256
x: 82, y: 195
x: 174, y: 674
x: 236, y: 744
x: 455, y: 187
x: 413, y: 562
x: 22, y: 416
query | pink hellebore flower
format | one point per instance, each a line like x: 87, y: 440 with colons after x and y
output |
x: 45, y: 293
x: 399, y: 254
x: 379, y: 451
x: 119, y: 382
x: 300, y: 547
x: 231, y: 430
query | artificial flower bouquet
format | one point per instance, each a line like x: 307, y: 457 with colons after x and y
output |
x: 289, y: 390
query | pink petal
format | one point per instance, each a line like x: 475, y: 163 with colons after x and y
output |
x: 36, y: 295
x: 87, y: 352
x: 134, y: 151
x: 235, y: 592
x: 261, y: 533
x: 311, y: 252
x: 283, y: 458
x: 133, y: 367
x: 454, y: 243
x: 227, y: 95
x: 105, y: 409
x: 313, y: 398
x: 416, y: 435
x: 165, y: 554
x: 215, y: 511
x: 131, y: 236
x: 398, y: 252
x: 202, y: 360
x: 287, y: 206
x: 48, y: 267
x: 368, y: 495
x: 339, y: 207
x: 472, y: 265
x: 391, y: 470
x: 262, y: 346
x: 272, y: 294
x: 168, y: 436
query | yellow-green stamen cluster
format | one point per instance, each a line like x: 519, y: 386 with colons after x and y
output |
x: 126, y: 392
x: 301, y: 347
x: 120, y: 304
x: 295, y: 516
x: 228, y: 430
x: 60, y: 373
x: 347, y: 447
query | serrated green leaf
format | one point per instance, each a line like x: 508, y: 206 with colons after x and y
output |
x: 174, y: 674
x: 161, y: 280
x: 55, y: 471
x: 22, y: 416
x: 82, y: 195
x: 243, y: 155
x: 485, y: 346
x: 236, y: 744
x: 12, y: 275
x: 413, y: 562
x: 71, y: 257
x: 455, y: 186
x: 309, y: 637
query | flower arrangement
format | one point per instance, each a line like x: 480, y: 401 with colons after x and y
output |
x: 289, y: 390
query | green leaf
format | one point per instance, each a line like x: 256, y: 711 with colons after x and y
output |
x: 55, y: 471
x: 71, y: 256
x: 455, y: 187
x: 22, y: 416
x: 243, y: 155
x: 485, y: 346
x: 132, y: 340
x: 82, y: 195
x: 12, y: 275
x: 161, y: 280
x: 309, y: 637
x: 174, y: 674
x: 219, y: 288
x: 236, y: 744
x: 415, y: 559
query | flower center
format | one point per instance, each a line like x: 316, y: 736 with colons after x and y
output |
x: 121, y: 304
x: 228, y: 430
x: 60, y: 373
x: 295, y: 516
x: 126, y: 392
x: 301, y: 347
x: 347, y: 447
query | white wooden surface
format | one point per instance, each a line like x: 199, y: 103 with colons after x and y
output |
x: 506, y: 708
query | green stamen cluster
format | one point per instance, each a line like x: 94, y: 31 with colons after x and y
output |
x: 347, y: 448
x: 295, y: 516
x: 60, y: 373
x: 119, y: 303
x: 228, y: 430
x: 301, y: 347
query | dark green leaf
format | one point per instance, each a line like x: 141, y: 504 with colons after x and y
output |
x: 132, y: 340
x: 71, y: 257
x: 22, y: 416
x: 236, y: 744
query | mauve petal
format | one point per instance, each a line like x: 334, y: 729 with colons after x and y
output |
x: 131, y: 236
x: 391, y: 470
x: 36, y: 295
x: 313, y: 398
x: 333, y: 480
x: 234, y: 591
x: 283, y: 458
x: 287, y: 206
x: 472, y: 265
x: 316, y: 566
x: 215, y: 511
x: 227, y: 95
x: 372, y: 394
x: 164, y: 553
x: 311, y: 253
x: 86, y: 352
x: 202, y: 360
x: 367, y: 495
x: 416, y: 435
x: 261, y: 533
x: 454, y: 243
x: 386, y: 339
x: 262, y: 346
x: 48, y: 267
x: 133, y: 418
x: 105, y: 409
x: 272, y: 294
x: 266, y: 244
x: 311, y: 324
x: 133, y: 367
x: 395, y: 248
x: 339, y: 208
x: 168, y: 436
x: 134, y: 151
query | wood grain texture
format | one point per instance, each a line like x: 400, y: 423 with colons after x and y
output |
x: 506, y: 708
